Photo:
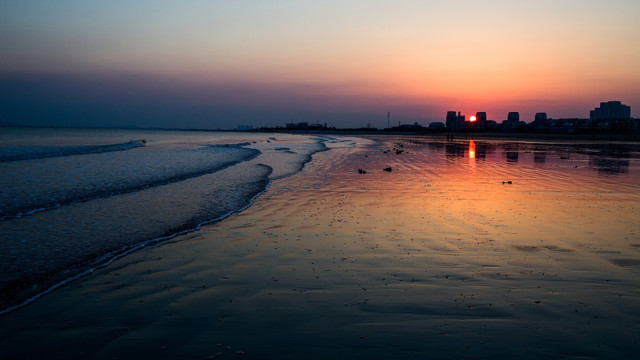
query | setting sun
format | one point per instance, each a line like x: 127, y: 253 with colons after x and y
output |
x: 472, y: 118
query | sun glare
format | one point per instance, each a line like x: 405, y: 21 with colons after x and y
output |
x: 472, y: 118
x: 472, y: 148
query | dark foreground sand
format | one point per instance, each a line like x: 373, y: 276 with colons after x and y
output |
x: 435, y: 259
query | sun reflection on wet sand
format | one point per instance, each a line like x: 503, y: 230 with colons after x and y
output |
x: 530, y: 223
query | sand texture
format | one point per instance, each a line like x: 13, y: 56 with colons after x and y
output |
x: 439, y: 258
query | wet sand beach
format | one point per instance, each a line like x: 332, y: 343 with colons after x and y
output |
x: 464, y: 249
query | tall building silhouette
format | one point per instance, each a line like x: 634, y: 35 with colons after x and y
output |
x: 481, y: 120
x: 540, y: 121
x: 451, y: 120
x: 611, y: 110
x: 541, y: 117
x: 613, y: 115
x: 513, y: 120
x: 455, y: 122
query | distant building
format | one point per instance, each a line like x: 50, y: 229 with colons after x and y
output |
x: 455, y: 122
x: 318, y: 126
x: 513, y: 120
x: 305, y: 126
x: 569, y: 126
x: 297, y: 126
x: 492, y: 125
x: 611, y: 110
x: 414, y: 126
x: 541, y: 121
x: 481, y: 120
x: 437, y: 125
x: 451, y: 120
x: 613, y: 115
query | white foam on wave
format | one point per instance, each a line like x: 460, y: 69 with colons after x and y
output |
x: 42, y: 152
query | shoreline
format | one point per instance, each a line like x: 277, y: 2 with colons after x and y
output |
x: 23, y: 285
x: 602, y: 136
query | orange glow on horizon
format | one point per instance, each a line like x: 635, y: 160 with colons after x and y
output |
x: 472, y: 118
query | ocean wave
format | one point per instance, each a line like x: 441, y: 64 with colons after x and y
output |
x: 291, y: 159
x: 19, y: 153
x: 92, y: 178
x: 92, y: 235
x: 163, y: 192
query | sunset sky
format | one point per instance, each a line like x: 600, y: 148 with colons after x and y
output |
x: 220, y: 64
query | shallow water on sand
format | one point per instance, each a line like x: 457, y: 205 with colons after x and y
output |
x: 72, y: 200
x: 465, y: 249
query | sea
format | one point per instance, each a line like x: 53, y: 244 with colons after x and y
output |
x: 73, y: 200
